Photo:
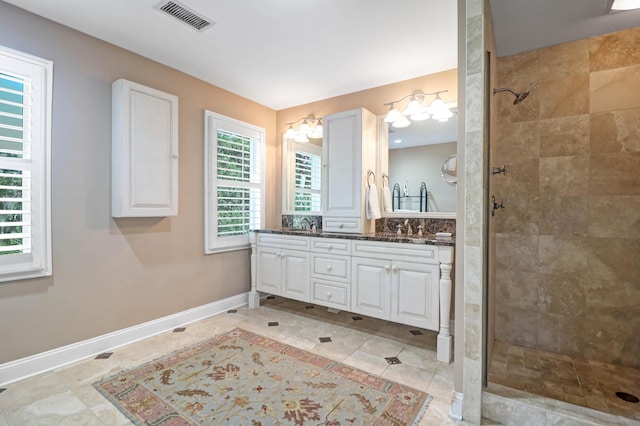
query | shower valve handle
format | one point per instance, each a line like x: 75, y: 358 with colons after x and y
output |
x: 495, y: 206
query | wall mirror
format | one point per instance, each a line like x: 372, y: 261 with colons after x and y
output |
x: 449, y: 169
x: 415, y: 156
x: 301, y: 176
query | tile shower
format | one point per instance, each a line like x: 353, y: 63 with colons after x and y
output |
x: 564, y: 295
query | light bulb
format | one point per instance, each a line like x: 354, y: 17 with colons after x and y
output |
x: 316, y: 133
x: 420, y: 116
x: 290, y: 133
x: 403, y: 122
x: 414, y: 107
x: 301, y: 137
x: 304, y: 127
x: 393, y: 115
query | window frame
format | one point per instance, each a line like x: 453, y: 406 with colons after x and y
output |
x: 37, y: 263
x: 212, y: 123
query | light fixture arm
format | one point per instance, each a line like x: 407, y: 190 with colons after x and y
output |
x: 310, y: 117
x: 418, y: 94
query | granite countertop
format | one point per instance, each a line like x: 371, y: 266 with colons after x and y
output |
x: 377, y: 236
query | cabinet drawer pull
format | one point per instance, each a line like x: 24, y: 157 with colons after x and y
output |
x: 387, y: 267
x: 341, y: 225
x: 329, y: 268
x: 394, y: 269
x: 329, y: 295
x: 330, y: 246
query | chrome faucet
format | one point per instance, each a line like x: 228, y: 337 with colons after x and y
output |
x: 304, y: 221
x: 310, y: 225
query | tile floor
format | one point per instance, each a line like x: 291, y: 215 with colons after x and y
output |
x: 585, y: 383
x: 66, y: 396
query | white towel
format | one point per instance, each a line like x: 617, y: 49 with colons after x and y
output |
x: 387, y: 204
x: 373, y: 205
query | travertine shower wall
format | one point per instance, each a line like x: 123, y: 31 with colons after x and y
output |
x: 567, y: 256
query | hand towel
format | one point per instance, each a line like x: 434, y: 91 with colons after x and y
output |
x: 387, y: 203
x: 373, y: 205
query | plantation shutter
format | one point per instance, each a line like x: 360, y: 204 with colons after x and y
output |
x: 239, y: 171
x: 234, y: 182
x: 307, y: 178
x: 15, y: 165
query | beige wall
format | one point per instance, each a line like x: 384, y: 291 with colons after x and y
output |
x: 111, y: 274
x: 371, y: 99
x: 568, y: 242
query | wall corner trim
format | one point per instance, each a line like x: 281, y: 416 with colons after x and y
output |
x: 45, y: 361
x: 456, y: 406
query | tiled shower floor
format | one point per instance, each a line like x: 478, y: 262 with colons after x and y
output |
x: 590, y: 384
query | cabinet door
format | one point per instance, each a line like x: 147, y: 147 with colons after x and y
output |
x: 341, y: 159
x: 295, y: 275
x: 269, y: 270
x: 370, y: 287
x: 415, y: 294
x: 144, y: 151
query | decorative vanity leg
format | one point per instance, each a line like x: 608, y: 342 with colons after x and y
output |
x: 445, y: 340
x: 254, y: 295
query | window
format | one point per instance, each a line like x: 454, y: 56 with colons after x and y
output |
x: 25, y: 188
x: 307, y: 178
x: 234, y: 182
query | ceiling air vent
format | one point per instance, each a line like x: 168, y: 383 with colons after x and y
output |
x: 185, y: 14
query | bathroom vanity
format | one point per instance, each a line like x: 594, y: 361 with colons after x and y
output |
x: 394, y: 278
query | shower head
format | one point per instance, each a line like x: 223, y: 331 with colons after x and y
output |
x: 520, y: 96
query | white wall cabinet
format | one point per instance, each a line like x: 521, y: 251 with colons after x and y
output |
x: 144, y: 151
x: 348, y: 153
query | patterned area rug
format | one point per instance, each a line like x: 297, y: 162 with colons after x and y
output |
x: 241, y: 378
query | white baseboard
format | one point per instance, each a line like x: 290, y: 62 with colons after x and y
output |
x: 30, y: 366
x: 456, y: 406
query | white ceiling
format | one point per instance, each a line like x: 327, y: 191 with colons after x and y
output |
x: 283, y: 53
x: 521, y: 25
x: 279, y: 53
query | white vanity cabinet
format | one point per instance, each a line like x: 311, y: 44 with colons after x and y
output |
x: 283, y: 266
x: 331, y: 272
x: 401, y: 282
x: 144, y: 151
x: 396, y: 282
x: 348, y: 154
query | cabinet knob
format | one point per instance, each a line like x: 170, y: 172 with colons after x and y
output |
x: 330, y: 246
x: 341, y: 225
x: 394, y: 269
x: 174, y: 156
x: 329, y: 295
x: 387, y: 268
x: 329, y: 268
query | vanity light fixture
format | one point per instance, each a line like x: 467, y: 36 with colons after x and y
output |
x: 416, y: 111
x: 311, y: 127
x: 620, y: 5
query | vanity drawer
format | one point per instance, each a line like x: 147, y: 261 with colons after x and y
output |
x: 348, y: 225
x: 331, y: 267
x: 334, y: 295
x: 331, y: 245
x: 395, y: 251
x: 292, y: 242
